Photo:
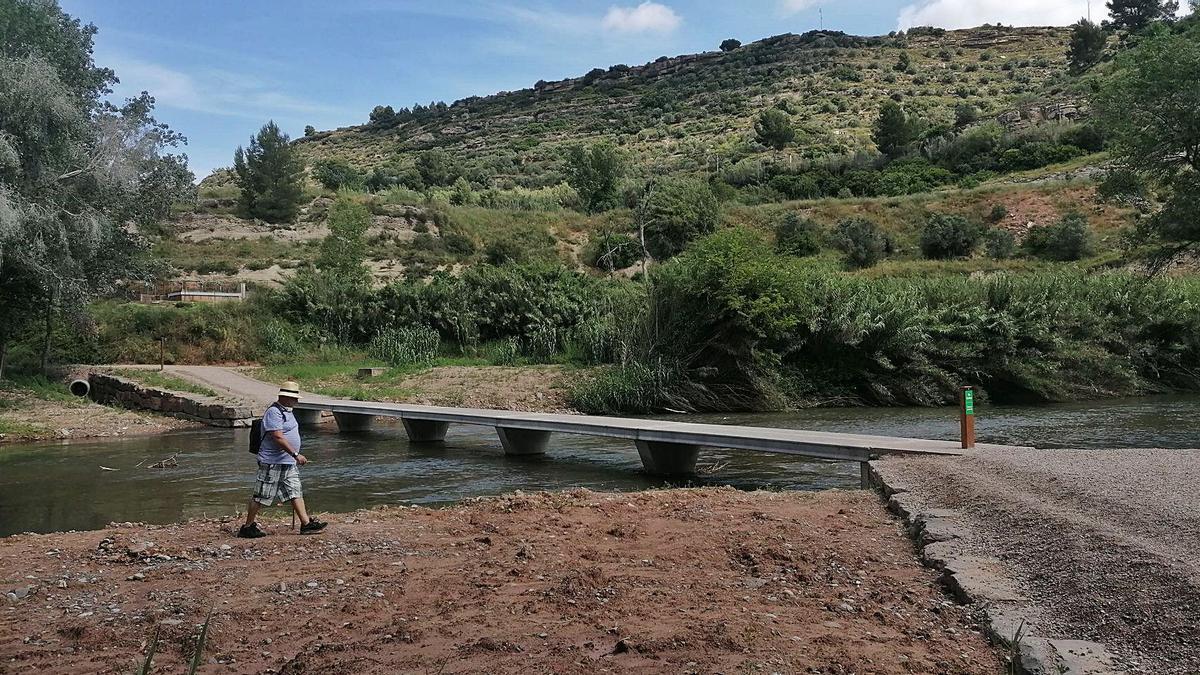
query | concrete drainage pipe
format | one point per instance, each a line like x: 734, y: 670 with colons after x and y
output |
x: 80, y: 388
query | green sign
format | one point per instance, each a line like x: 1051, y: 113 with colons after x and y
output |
x: 969, y: 402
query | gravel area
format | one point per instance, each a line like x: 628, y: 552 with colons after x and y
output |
x: 1104, y: 544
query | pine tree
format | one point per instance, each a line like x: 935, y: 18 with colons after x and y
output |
x: 774, y: 129
x: 1134, y: 15
x: 1087, y: 45
x: 894, y: 130
x: 270, y: 174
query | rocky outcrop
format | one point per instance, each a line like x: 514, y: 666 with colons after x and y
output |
x: 215, y: 412
x: 1037, y: 113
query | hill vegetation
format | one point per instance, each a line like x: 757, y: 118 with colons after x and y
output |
x: 804, y: 219
x: 697, y: 113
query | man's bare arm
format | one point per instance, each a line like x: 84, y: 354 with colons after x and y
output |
x: 279, y: 438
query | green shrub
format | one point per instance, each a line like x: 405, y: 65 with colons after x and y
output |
x: 407, y: 346
x: 1121, y: 184
x: 459, y: 244
x: 999, y: 243
x: 541, y: 343
x: 949, y: 236
x: 1068, y: 239
x: 503, y: 251
x: 335, y: 174
x: 524, y: 244
x: 998, y: 213
x: 634, y: 388
x: 1037, y: 154
x: 506, y: 352
x: 910, y: 177
x: 796, y: 186
x: 797, y: 236
x: 609, y: 251
x: 861, y: 241
x: 674, y: 212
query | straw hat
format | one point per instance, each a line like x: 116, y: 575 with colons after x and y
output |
x: 290, y: 389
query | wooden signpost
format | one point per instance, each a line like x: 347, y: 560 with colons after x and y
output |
x: 966, y: 416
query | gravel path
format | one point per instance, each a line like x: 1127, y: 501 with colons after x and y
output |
x: 1105, y: 544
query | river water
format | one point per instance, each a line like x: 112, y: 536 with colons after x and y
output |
x: 60, y: 486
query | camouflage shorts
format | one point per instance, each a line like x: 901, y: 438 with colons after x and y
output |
x: 277, y: 480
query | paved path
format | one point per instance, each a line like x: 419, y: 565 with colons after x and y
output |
x: 228, y: 383
x: 1102, y: 545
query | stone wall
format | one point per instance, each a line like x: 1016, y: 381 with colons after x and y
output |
x: 215, y: 412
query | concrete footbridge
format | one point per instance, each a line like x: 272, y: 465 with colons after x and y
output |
x: 666, y: 447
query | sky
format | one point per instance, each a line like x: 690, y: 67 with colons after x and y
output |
x: 220, y: 69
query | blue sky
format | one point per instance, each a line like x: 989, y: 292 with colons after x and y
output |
x: 222, y: 68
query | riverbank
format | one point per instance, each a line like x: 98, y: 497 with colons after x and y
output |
x: 1079, y: 545
x: 690, y: 580
x: 47, y: 412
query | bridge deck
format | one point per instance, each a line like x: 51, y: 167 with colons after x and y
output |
x: 820, y: 444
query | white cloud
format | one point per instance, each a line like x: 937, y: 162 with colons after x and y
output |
x: 547, y: 19
x: 971, y: 13
x: 646, y: 17
x: 789, y: 7
x: 212, y: 91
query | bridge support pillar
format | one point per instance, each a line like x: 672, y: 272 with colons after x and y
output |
x: 425, y: 431
x: 523, y: 441
x: 668, y: 459
x: 307, y: 418
x: 353, y: 421
x: 864, y: 475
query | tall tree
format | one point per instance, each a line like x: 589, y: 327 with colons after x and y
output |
x: 894, y: 130
x: 1151, y: 107
x: 595, y: 173
x: 437, y: 167
x: 332, y: 295
x: 74, y: 170
x: 1134, y: 15
x: 774, y: 128
x: 674, y: 212
x: 270, y: 174
x: 344, y: 249
x: 1086, y: 47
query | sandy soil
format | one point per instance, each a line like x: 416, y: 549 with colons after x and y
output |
x: 710, y: 580
x: 37, y: 419
x: 1105, y: 544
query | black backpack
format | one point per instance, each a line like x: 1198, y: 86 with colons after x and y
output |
x: 256, y: 430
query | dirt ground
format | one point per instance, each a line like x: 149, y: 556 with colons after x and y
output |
x: 685, y: 580
x: 30, y: 418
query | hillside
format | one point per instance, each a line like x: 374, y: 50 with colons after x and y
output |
x: 689, y: 112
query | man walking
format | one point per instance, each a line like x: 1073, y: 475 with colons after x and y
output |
x: 278, y: 461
